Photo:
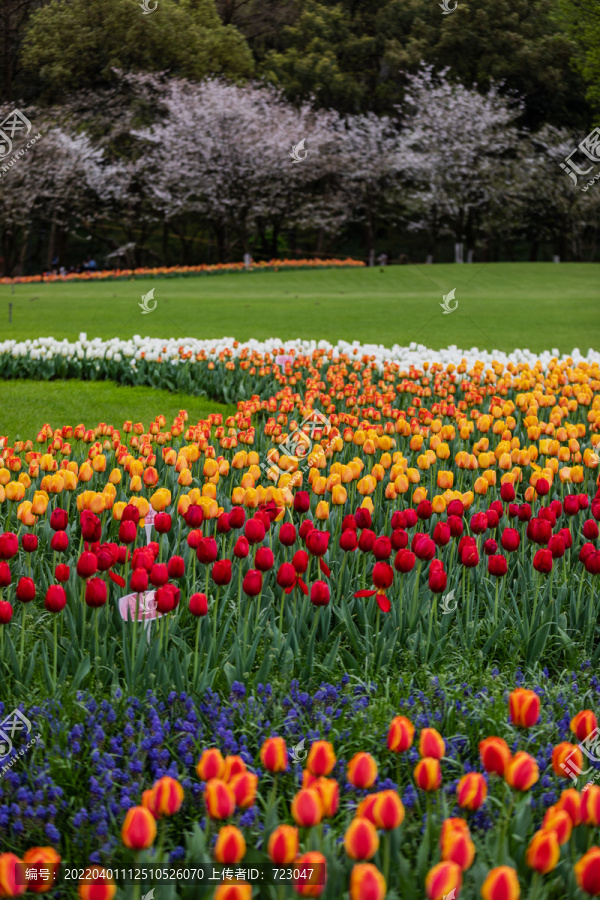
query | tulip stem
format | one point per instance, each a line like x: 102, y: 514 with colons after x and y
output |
x: 83, y: 603
x: 413, y: 612
x: 23, y: 621
x: 281, y: 615
x: 496, y: 604
x: 386, y: 857
x: 55, y: 649
x: 196, y: 653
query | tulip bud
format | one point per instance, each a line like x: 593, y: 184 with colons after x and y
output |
x: 211, y: 764
x: 587, y: 871
x: 97, y: 886
x: 8, y: 876
x: 388, y: 810
x: 35, y: 859
x: 543, y: 852
x: 55, y: 599
x: 168, y: 796
x: 198, y: 606
x: 495, y: 755
x: 583, y: 724
x: 563, y: 752
x: 431, y: 743
x: 307, y: 809
x: 321, y: 758
x: 219, y: 799
x: 522, y: 772
x: 559, y: 821
x: 25, y: 591
x: 244, y: 787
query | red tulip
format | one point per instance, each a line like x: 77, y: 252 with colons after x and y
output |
x: 29, y: 542
x: 91, y: 526
x: 382, y: 547
x: 9, y: 545
x: 497, y: 566
x: 423, y: 547
x: 127, y: 531
x: 60, y: 541
x: 404, y: 561
x: 138, y: 582
x: 479, y: 523
x: 542, y: 561
x: 176, y: 567
x: 300, y: 561
x: 241, y: 548
x: 59, y: 519
x: 87, y: 564
x: 162, y: 522
x: 348, y: 540
x: 198, y: 605
x: 253, y: 582
x: 55, y: 599
x: 95, y: 592
x: 159, y: 574
x: 264, y: 559
x: 319, y: 593
x: 207, y: 550
x: 363, y: 517
x: 221, y: 571
x: 5, y: 576
x: 167, y: 598
x: 287, y: 534
x: 6, y: 612
x: 317, y: 542
x: 441, y: 534
x: 62, y: 572
x: 286, y: 576
x: 399, y: 539
x: 255, y: 531
x: 366, y: 541
x: 437, y: 580
x: 510, y: 539
x: 507, y: 492
x: 301, y: 502
x: 25, y: 589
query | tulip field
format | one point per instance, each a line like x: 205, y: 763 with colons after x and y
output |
x: 349, y: 631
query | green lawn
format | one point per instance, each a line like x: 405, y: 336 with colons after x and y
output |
x: 501, y: 306
x: 27, y: 405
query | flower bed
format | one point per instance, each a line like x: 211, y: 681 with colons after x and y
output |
x: 273, y: 265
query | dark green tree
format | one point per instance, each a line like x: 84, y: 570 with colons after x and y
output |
x: 75, y: 44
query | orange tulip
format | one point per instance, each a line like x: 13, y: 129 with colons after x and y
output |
x: 230, y: 846
x: 431, y: 743
x: 273, y: 754
x: 587, y: 871
x: 442, y: 879
x: 321, y: 758
x: 501, y: 883
x: 329, y: 792
x: 362, y: 770
x: 238, y: 891
x: 543, y: 852
x: 524, y: 707
x: 367, y: 883
x: 471, y: 791
x: 570, y: 800
x: 400, y: 735
x: 522, y: 772
x: 361, y: 839
x: 495, y: 755
x: 234, y: 765
x: 428, y: 774
x: 283, y: 845
x: 219, y: 799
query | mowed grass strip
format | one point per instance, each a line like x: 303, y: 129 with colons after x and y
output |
x: 27, y: 405
x: 539, y: 306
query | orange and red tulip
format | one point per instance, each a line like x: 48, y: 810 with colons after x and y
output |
x: 590, y: 805
x: 8, y: 876
x: 431, y: 743
x: 501, y: 883
x: 139, y: 828
x: 428, y: 774
x: 361, y: 839
x: 238, y: 891
x: 569, y: 756
x: 522, y: 772
x: 314, y: 885
x: 583, y: 724
x: 543, y: 852
x: 273, y: 754
x: 329, y: 792
x: 457, y: 846
x: 230, y: 847
x: 524, y: 706
x: 283, y: 845
x: 211, y: 765
x: 495, y: 755
x: 559, y: 821
x: 367, y: 883
x: 442, y: 879
x: 388, y: 810
x: 219, y: 799
x: 96, y: 886
x: 244, y: 786
x: 168, y: 797
x: 471, y: 791
x: 321, y: 758
x: 400, y: 735
x: 41, y: 858
x: 234, y: 765
x: 587, y: 871
x: 307, y: 809
x: 362, y: 770
x: 570, y: 800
